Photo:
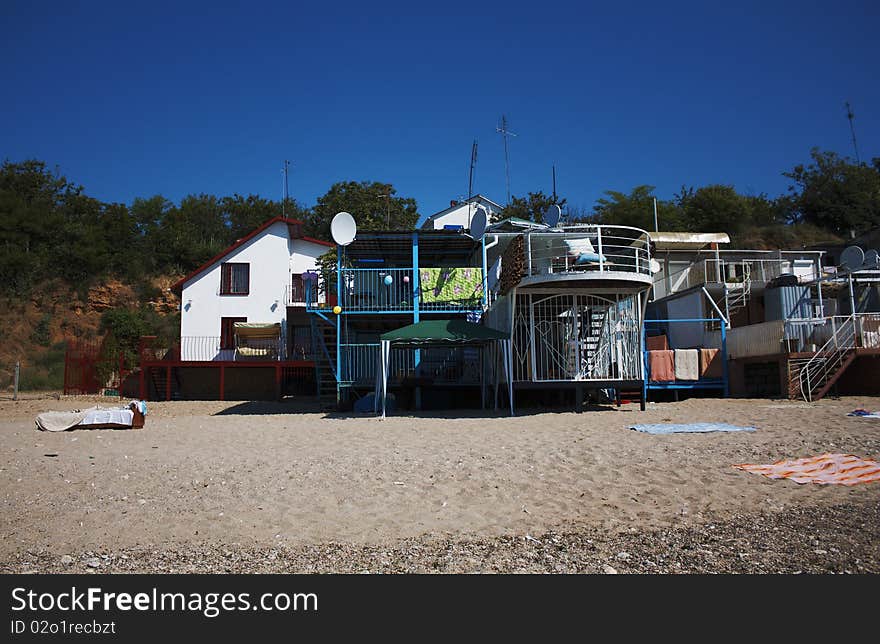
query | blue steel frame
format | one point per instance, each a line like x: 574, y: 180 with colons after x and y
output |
x: 706, y: 383
x: 415, y: 312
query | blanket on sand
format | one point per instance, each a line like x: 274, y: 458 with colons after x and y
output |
x: 697, y: 428
x: 833, y: 469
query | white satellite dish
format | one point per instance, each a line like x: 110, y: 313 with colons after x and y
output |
x: 478, y: 223
x: 852, y: 258
x: 552, y: 215
x: 655, y: 267
x: 343, y: 228
x: 872, y: 259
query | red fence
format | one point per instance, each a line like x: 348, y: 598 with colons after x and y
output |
x: 88, y: 368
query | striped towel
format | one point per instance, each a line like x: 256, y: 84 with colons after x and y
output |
x: 827, y: 469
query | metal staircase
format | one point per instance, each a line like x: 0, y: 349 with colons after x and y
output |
x: 737, y: 297
x: 815, y: 376
x: 591, y: 340
x: 324, y: 355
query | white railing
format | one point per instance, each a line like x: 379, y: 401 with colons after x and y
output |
x: 208, y: 349
x: 305, y: 295
x: 588, y: 249
x: 847, y: 333
x: 722, y: 271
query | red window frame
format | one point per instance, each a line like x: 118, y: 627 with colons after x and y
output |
x: 227, y: 332
x: 226, y: 281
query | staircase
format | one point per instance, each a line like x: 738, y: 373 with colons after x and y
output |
x: 737, y: 297
x: 159, y: 378
x: 324, y: 355
x: 815, y: 376
x: 591, y: 339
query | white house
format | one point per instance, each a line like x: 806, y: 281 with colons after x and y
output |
x: 257, y: 281
x: 460, y: 213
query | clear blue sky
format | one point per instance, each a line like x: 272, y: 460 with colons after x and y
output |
x: 136, y: 101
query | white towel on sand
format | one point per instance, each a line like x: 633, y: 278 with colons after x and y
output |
x: 687, y: 364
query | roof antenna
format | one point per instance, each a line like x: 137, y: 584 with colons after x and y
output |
x: 554, y: 183
x: 505, y: 133
x: 285, y: 189
x: 471, y: 179
x: 852, y: 129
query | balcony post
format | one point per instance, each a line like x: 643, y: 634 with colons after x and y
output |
x: 599, y: 240
x: 415, y: 285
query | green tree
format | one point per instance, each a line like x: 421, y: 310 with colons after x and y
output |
x: 834, y: 193
x: 637, y: 209
x: 531, y: 207
x: 374, y: 206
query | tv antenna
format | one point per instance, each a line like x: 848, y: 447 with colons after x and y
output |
x: 502, y: 129
x: 471, y: 179
x: 852, y: 129
x: 554, y: 183
x: 285, y: 191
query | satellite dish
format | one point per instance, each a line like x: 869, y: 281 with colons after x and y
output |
x: 852, y: 258
x: 655, y: 267
x: 343, y: 228
x: 872, y: 259
x: 478, y: 223
x: 552, y: 215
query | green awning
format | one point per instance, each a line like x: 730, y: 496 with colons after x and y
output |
x: 443, y: 332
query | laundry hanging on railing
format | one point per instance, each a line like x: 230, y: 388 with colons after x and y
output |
x: 454, y: 286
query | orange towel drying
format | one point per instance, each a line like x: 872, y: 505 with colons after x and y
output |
x: 710, y: 363
x: 833, y: 469
x: 662, y: 365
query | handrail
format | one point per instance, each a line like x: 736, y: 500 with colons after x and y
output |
x: 815, y: 372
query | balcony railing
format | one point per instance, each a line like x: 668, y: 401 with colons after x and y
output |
x: 588, y: 249
x: 723, y: 271
x: 360, y: 362
x: 379, y: 290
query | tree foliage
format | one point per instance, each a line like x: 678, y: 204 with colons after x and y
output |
x: 531, y: 207
x: 374, y: 206
x: 834, y: 193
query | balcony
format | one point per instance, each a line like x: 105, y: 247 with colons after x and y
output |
x: 730, y: 272
x: 616, y: 255
x: 210, y: 349
x: 396, y: 290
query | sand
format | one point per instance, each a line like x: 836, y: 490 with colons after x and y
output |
x: 261, y: 474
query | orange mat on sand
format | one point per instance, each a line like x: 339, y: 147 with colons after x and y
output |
x: 834, y: 469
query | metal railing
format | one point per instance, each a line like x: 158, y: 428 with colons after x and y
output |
x: 379, y: 290
x: 723, y: 271
x: 847, y: 333
x: 300, y: 295
x: 359, y: 364
x: 209, y: 349
x: 588, y: 249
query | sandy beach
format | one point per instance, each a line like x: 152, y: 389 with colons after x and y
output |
x: 240, y: 480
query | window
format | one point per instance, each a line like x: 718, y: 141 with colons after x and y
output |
x: 297, y: 289
x: 227, y: 332
x: 235, y: 279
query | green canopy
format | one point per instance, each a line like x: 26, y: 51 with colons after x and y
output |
x: 443, y: 332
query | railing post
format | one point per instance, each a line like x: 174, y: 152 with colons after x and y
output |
x: 529, y: 250
x: 599, y: 240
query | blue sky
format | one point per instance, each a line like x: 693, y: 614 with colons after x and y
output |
x: 158, y: 99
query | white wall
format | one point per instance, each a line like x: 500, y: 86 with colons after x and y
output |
x: 303, y: 257
x: 272, y: 257
x: 461, y: 215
